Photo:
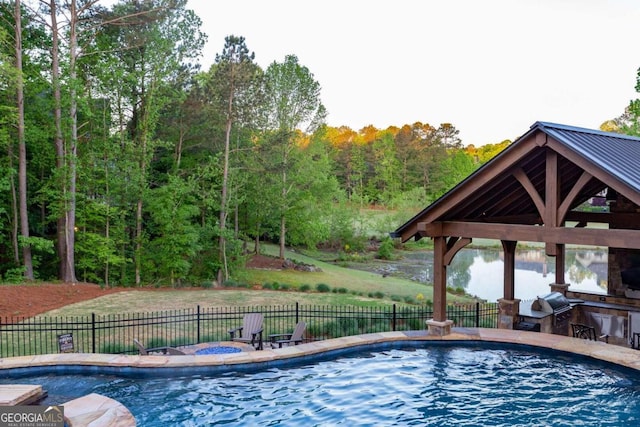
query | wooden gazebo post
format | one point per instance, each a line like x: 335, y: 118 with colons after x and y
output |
x: 439, y: 325
x: 508, y: 305
x: 443, y: 252
x: 554, y: 212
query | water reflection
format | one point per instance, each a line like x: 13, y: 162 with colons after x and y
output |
x: 480, y: 271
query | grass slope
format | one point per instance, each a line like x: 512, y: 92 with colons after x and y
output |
x: 357, y: 288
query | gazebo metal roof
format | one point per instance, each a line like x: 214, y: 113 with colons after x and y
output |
x: 511, y: 188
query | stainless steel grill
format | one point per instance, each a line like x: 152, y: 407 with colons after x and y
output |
x: 555, y: 304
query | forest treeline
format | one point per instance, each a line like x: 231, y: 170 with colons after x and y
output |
x: 125, y: 164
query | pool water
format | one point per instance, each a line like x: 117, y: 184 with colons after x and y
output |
x: 431, y: 385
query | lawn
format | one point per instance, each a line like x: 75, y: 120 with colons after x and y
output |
x: 346, y: 287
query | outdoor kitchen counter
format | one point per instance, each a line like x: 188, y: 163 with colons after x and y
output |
x: 609, y: 305
x: 525, y: 311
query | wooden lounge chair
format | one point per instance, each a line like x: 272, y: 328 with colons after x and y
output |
x: 144, y: 351
x: 294, y: 338
x: 251, y: 330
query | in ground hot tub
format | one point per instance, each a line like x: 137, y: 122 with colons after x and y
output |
x: 218, y: 349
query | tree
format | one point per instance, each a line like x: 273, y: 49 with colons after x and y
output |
x: 629, y: 122
x: 234, y: 86
x: 79, y: 19
x: 22, y: 149
x: 292, y: 104
x: 8, y: 120
x: 154, y: 42
x: 387, y: 166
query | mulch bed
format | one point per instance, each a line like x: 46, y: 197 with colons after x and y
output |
x: 33, y: 299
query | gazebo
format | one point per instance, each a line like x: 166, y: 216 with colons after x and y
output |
x: 530, y: 192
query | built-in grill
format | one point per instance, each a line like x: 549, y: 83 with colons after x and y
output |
x: 554, y: 303
x: 552, y: 312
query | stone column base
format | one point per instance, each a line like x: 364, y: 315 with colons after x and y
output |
x: 439, y: 328
x: 509, y: 313
x: 559, y: 287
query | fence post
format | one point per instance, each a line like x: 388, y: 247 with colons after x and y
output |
x: 393, y: 323
x: 297, y: 311
x: 198, y: 326
x: 93, y: 332
x: 477, y: 314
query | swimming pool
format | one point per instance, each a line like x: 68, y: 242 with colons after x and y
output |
x: 443, y: 384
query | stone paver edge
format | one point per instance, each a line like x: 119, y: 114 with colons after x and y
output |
x: 598, y: 350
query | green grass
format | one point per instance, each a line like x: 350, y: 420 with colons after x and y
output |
x: 347, y: 287
x: 355, y: 281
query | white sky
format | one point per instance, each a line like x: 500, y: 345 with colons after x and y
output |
x: 490, y: 67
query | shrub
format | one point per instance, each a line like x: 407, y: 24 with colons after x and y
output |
x: 348, y: 327
x: 316, y: 330
x: 322, y: 287
x: 415, y: 324
x: 230, y: 283
x: 385, y: 251
x: 304, y: 287
x: 117, y: 348
x: 409, y: 300
x: 377, y: 326
x: 275, y: 286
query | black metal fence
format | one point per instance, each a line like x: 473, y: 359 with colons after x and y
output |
x: 115, y: 333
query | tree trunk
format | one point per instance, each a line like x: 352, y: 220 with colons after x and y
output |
x: 138, y: 255
x: 283, y: 230
x: 223, y: 273
x: 14, y: 212
x: 283, y: 220
x: 70, y: 208
x: 256, y: 245
x: 22, y: 153
x: 58, y: 142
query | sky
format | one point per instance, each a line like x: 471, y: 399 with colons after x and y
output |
x: 492, y: 68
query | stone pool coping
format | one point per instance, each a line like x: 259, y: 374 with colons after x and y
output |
x: 596, y: 349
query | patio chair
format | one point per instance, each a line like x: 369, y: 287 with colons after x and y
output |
x: 294, y: 338
x: 587, y: 332
x: 250, y: 332
x: 144, y: 351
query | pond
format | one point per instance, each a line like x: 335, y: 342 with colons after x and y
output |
x: 480, y: 271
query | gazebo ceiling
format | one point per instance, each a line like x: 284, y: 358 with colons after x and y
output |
x: 588, y: 162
